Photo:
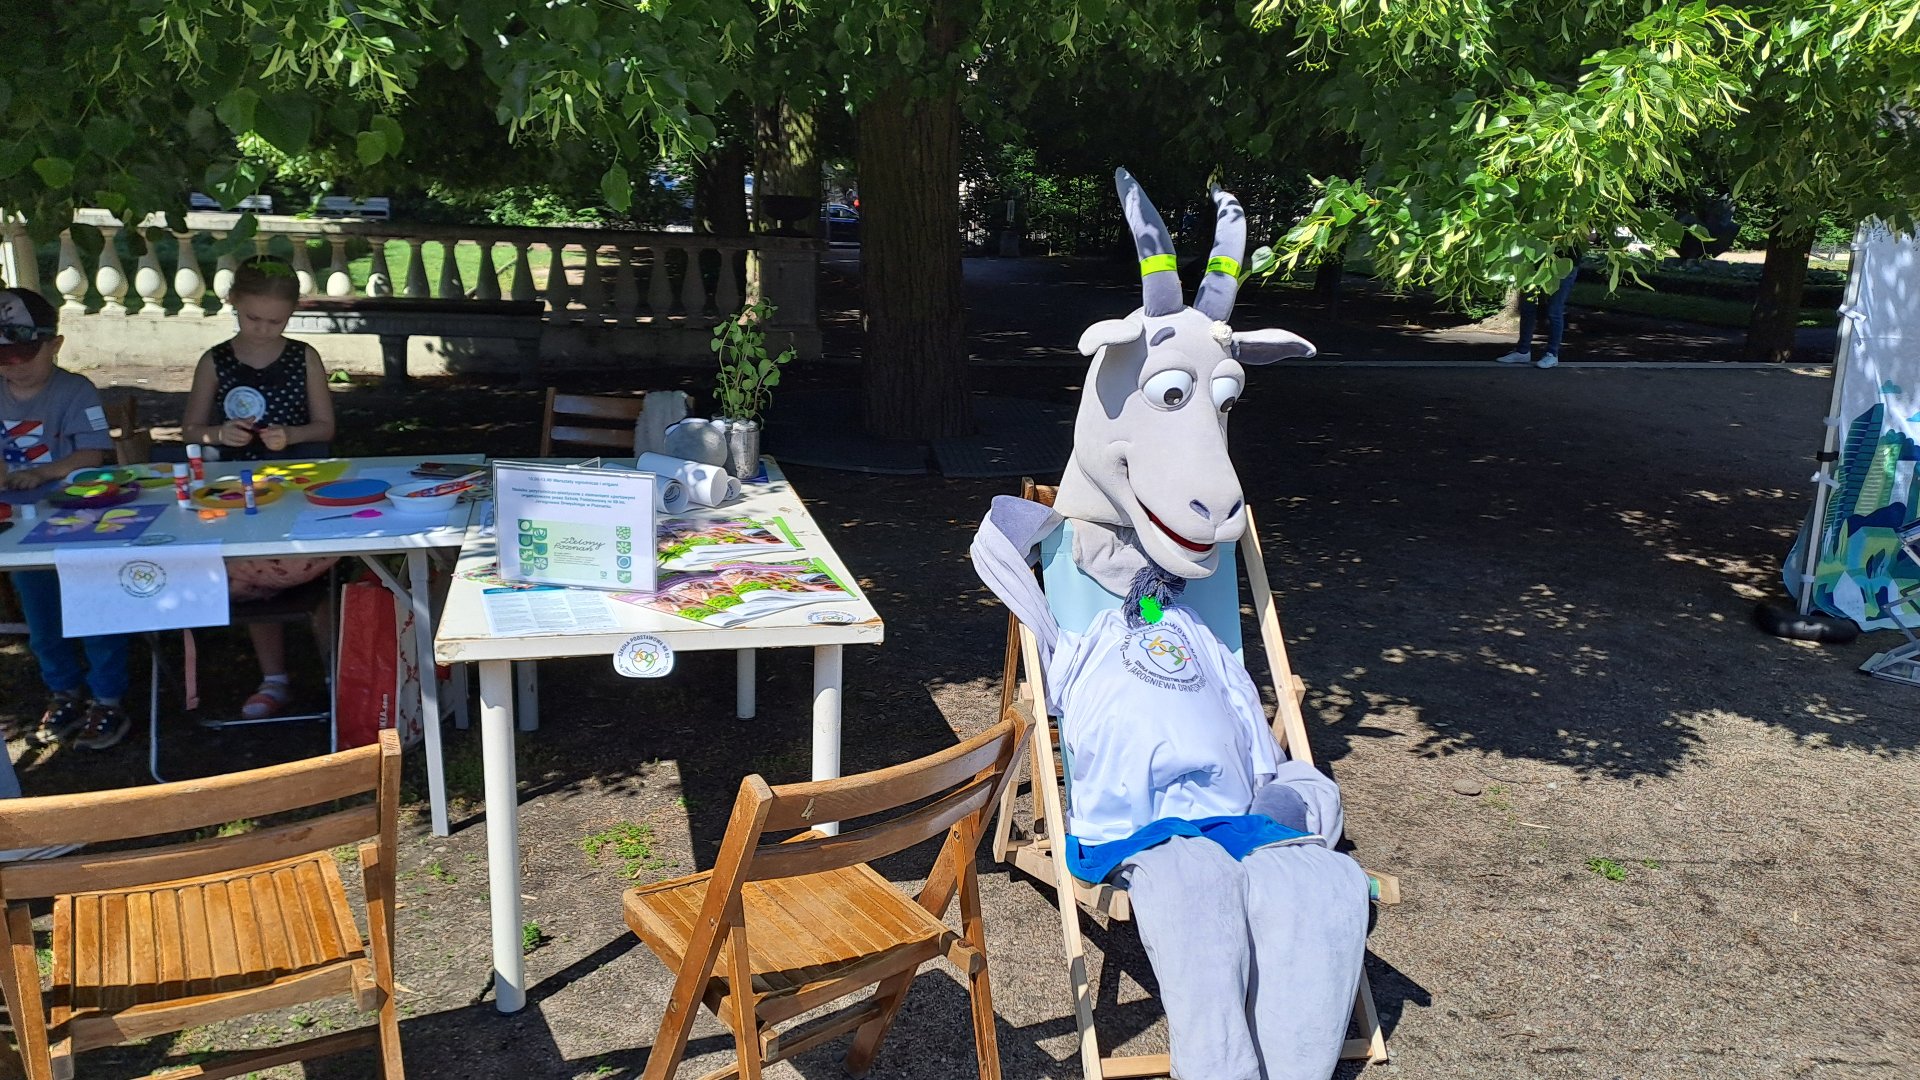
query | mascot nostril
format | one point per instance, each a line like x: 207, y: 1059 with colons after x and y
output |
x: 1169, y: 755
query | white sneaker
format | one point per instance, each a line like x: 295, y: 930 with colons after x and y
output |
x: 1547, y: 361
x: 1516, y: 357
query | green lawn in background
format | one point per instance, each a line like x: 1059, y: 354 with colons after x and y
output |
x: 1699, y: 309
x: 466, y: 257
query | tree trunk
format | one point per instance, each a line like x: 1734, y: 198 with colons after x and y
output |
x: 1776, y: 309
x: 720, y: 191
x: 787, y: 152
x: 1327, y: 279
x: 916, y: 353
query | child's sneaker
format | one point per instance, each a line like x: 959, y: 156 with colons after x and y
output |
x: 65, y: 713
x: 105, y: 726
x: 1547, y: 361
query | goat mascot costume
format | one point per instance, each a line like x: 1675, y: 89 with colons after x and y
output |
x: 1178, y: 790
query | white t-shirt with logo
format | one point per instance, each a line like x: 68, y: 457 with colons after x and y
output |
x: 1158, y: 722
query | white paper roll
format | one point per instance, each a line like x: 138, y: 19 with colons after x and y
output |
x: 669, y: 495
x: 706, y: 485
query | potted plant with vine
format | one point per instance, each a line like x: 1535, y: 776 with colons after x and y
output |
x: 744, y: 386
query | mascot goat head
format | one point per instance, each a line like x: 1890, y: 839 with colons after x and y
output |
x: 1150, y: 441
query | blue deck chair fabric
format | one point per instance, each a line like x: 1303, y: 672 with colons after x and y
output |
x: 1075, y: 598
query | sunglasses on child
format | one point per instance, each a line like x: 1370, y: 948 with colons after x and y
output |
x: 19, y: 344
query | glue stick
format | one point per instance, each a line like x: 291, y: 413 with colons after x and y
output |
x: 246, y: 482
x: 193, y: 459
x: 180, y: 485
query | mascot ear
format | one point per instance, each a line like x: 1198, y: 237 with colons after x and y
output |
x: 1266, y: 346
x: 1111, y: 332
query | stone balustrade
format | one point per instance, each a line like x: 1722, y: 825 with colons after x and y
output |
x: 606, y: 292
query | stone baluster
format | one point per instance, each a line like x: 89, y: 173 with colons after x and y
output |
x: 559, y: 296
x: 223, y: 269
x: 726, y: 294
x: 693, y: 287
x: 24, y: 263
x: 522, y: 287
x: 70, y: 277
x: 149, y: 281
x: 488, y: 287
x: 659, y: 292
x: 110, y: 277
x: 593, y: 292
x: 450, y: 286
x: 626, y: 294
x: 379, y: 278
x: 188, y: 281
x: 260, y: 240
x: 416, y: 271
x: 302, y: 265
x: 339, y: 282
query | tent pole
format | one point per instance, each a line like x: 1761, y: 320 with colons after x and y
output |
x: 1830, y: 445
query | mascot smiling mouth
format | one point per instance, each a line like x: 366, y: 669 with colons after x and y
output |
x: 1201, y: 549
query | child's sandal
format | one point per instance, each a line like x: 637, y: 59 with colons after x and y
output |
x: 267, y: 702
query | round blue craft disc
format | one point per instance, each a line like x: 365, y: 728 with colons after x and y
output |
x: 347, y: 492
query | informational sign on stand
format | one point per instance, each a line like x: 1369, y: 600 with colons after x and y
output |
x: 572, y: 525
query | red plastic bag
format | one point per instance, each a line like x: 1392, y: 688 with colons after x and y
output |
x: 379, y: 671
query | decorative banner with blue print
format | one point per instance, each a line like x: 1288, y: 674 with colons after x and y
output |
x: 1860, y: 567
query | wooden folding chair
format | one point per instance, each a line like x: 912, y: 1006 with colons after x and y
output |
x: 132, y: 444
x: 557, y: 423
x: 775, y: 931
x: 160, y: 938
x: 1038, y: 854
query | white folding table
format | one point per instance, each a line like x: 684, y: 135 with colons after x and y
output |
x: 265, y: 535
x: 464, y: 637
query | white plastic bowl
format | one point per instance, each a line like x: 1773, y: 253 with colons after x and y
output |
x: 405, y: 499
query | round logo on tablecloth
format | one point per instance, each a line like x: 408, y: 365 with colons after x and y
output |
x: 154, y: 539
x: 643, y: 656
x: 141, y: 579
x: 245, y: 403
x: 836, y: 617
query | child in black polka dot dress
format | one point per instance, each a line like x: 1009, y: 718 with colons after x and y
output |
x: 257, y: 397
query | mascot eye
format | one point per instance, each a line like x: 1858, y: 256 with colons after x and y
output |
x: 1226, y: 391
x: 1168, y: 390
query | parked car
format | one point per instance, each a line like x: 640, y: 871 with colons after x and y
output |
x: 839, y: 224
x: 199, y: 201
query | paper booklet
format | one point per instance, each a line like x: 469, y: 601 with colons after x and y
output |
x: 729, y: 594
x: 692, y: 543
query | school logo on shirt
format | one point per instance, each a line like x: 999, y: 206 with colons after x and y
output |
x: 26, y: 442
x: 1160, y: 655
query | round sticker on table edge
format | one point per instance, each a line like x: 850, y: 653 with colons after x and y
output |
x: 836, y: 617
x: 624, y: 657
x: 154, y: 539
x: 244, y: 396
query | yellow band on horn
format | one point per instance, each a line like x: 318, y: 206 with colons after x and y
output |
x: 1220, y: 264
x: 1154, y: 264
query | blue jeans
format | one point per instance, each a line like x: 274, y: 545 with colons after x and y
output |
x: 1556, y: 306
x: 106, y: 670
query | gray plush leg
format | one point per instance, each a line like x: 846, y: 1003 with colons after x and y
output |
x: 1307, y: 909
x: 1189, y: 900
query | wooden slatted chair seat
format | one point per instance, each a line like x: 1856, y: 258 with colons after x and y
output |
x: 175, y: 934
x: 803, y: 941
x: 164, y: 945
x: 780, y: 929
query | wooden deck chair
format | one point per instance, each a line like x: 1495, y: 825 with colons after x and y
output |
x: 1075, y: 598
x: 562, y: 408
x: 778, y: 930
x: 164, y: 937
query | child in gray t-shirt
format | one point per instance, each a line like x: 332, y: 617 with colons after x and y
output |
x: 51, y: 423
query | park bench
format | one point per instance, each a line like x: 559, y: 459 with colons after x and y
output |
x: 394, y: 319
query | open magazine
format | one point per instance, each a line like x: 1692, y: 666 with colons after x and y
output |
x: 691, y: 543
x: 728, y: 594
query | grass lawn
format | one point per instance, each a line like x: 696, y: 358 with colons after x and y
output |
x: 1700, y: 309
x: 466, y: 257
